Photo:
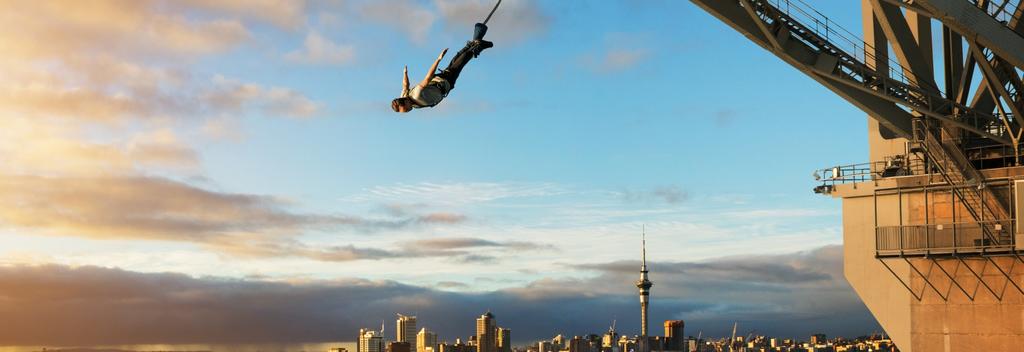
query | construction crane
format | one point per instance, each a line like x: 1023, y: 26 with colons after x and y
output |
x: 699, y: 333
x: 732, y: 340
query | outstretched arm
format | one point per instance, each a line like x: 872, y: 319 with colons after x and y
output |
x: 405, y: 82
x: 433, y: 68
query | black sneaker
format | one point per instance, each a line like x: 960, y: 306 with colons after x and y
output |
x: 476, y: 46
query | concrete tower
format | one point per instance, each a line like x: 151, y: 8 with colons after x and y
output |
x: 645, y: 286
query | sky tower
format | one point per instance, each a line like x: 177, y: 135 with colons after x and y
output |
x: 644, y: 285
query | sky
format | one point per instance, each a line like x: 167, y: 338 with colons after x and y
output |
x: 229, y: 171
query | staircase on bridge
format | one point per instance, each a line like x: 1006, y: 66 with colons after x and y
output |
x: 966, y: 183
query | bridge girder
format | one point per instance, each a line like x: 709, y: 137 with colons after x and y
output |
x: 811, y: 63
x: 860, y: 78
x: 974, y: 23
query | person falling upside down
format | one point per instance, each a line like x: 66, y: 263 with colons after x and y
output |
x: 436, y: 85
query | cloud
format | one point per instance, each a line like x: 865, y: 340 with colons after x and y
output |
x: 452, y: 243
x: 451, y: 285
x: 671, y: 194
x: 139, y: 28
x: 138, y: 207
x: 229, y: 95
x: 442, y: 218
x: 456, y: 193
x: 154, y: 208
x: 59, y: 305
x: 282, y: 13
x: 615, y: 60
x: 724, y: 117
x: 476, y: 259
x: 112, y: 60
x: 319, y: 50
x: 621, y: 52
x: 513, y: 22
x: 781, y: 283
x: 408, y: 16
x: 28, y: 146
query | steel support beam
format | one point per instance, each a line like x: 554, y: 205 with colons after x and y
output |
x: 804, y: 59
x: 994, y: 85
x: 973, y: 23
x: 905, y: 44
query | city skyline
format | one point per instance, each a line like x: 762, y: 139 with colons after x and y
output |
x: 674, y: 339
x: 489, y: 337
x: 175, y: 167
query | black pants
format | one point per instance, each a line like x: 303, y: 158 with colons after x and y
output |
x: 451, y: 73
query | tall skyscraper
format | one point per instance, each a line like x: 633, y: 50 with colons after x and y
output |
x: 486, y: 329
x: 645, y: 287
x: 674, y: 335
x: 359, y: 340
x: 371, y: 341
x: 425, y: 339
x: 405, y: 328
x: 504, y: 340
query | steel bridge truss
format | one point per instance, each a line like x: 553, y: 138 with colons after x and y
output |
x: 971, y: 116
x: 902, y: 94
x: 950, y: 278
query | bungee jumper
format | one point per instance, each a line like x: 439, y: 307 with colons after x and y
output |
x: 436, y: 85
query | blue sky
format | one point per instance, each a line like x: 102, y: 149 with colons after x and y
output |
x: 256, y: 142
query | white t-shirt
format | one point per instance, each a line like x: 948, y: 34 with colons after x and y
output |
x: 430, y: 95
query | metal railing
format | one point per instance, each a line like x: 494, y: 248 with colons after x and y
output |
x: 951, y: 238
x: 841, y: 39
x: 899, y: 165
x: 854, y: 59
x: 1004, y: 11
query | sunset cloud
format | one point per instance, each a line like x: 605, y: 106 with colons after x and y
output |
x: 139, y: 28
x: 319, y: 50
x: 98, y: 100
x: 282, y: 13
x: 152, y: 208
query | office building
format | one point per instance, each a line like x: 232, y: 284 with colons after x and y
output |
x: 674, y: 335
x: 486, y: 331
x: 426, y: 339
x: 405, y: 330
x: 504, y: 340
x: 371, y: 341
